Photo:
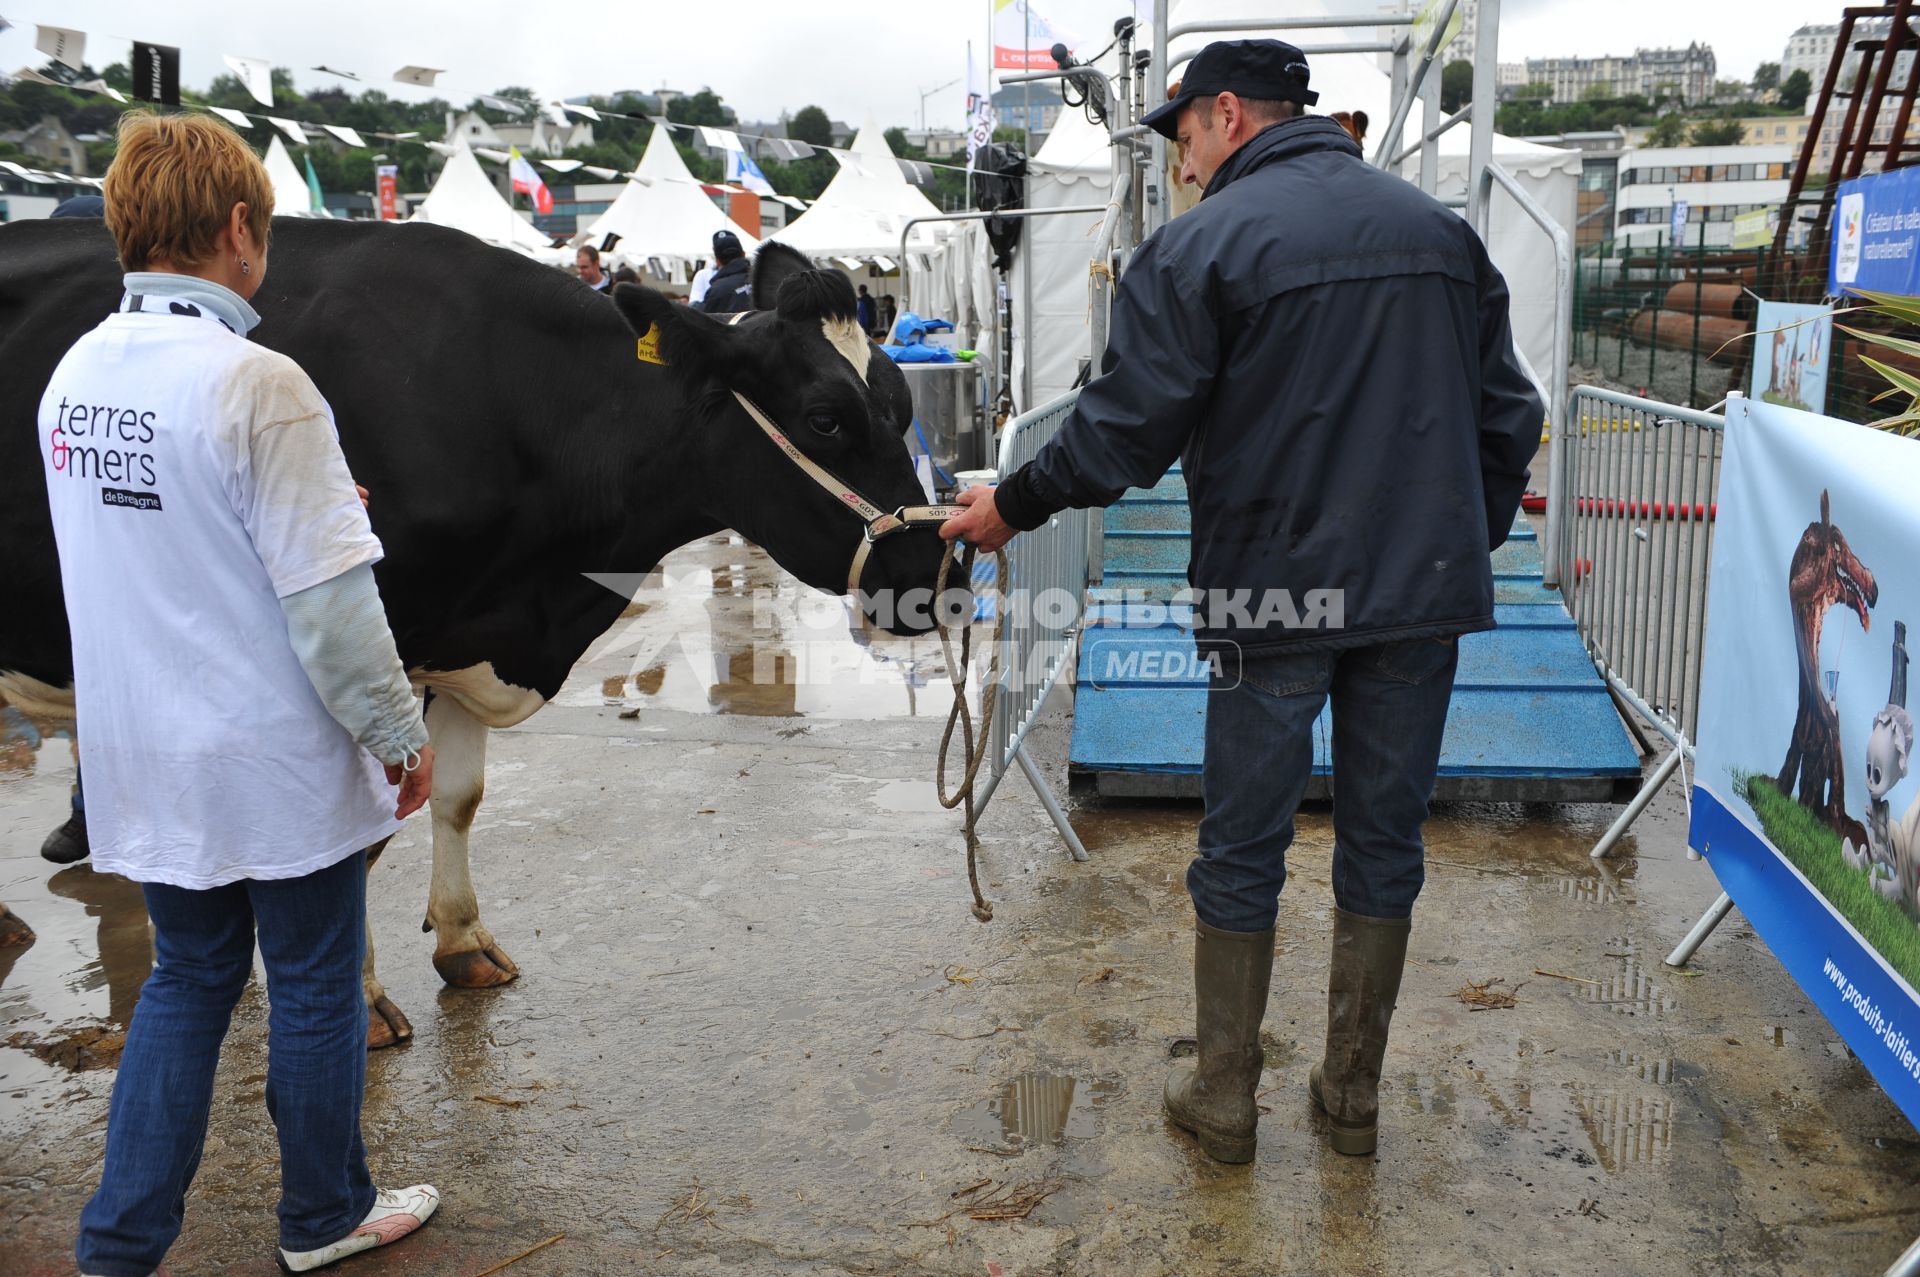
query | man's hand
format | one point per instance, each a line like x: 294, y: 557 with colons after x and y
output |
x: 415, y: 785
x: 981, y: 525
x: 362, y: 494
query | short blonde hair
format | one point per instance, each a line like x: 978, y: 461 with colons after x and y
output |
x: 172, y: 186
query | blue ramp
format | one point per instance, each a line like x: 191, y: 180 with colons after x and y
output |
x: 1531, y: 720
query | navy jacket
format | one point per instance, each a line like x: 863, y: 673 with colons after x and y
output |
x: 731, y: 288
x: 1327, y: 350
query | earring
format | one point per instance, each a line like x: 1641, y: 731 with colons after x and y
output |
x: 246, y: 267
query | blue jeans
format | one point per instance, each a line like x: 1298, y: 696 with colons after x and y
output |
x: 1389, y: 712
x: 312, y: 935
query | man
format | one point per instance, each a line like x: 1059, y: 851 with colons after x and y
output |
x: 586, y: 263
x: 731, y: 288
x: 1327, y: 348
x: 866, y: 313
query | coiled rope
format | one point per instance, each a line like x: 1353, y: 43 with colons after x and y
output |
x: 973, y: 744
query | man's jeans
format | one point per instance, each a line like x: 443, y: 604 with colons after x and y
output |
x: 312, y: 934
x: 1389, y: 711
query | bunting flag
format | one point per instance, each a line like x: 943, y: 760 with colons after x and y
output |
x: 295, y: 134
x: 239, y: 119
x: 422, y: 76
x: 580, y: 108
x: 527, y: 181
x: 720, y: 139
x: 604, y: 174
x: 315, y: 200
x: 742, y: 170
x: 1022, y: 39
x: 101, y: 86
x: 562, y: 166
x: 346, y: 135
x: 156, y: 73
x: 62, y: 44
x: 256, y: 74
x: 345, y: 75
x: 33, y: 76
x: 502, y: 104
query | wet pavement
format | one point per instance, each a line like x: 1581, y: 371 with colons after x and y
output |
x: 759, y: 1032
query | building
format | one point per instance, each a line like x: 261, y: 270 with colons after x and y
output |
x: 1687, y: 74
x: 1809, y: 49
x: 1030, y: 107
x: 1760, y: 130
x: 1509, y: 76
x: 23, y: 197
x: 51, y: 144
x: 538, y: 136
x: 939, y: 144
x: 1717, y: 184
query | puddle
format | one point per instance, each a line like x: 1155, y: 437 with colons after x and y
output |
x: 907, y: 795
x: 1658, y: 1069
x: 1035, y: 1110
x: 1625, y: 1128
x: 1631, y: 990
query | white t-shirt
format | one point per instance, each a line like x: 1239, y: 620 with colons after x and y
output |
x: 697, y: 291
x: 195, y: 480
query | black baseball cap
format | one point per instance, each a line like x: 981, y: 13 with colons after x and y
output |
x: 1272, y: 70
x: 726, y: 246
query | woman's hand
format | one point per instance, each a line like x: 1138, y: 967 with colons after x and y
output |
x: 415, y: 786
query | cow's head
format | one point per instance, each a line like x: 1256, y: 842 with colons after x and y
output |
x: 801, y: 357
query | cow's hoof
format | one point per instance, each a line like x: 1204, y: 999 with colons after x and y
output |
x: 13, y: 931
x: 68, y: 844
x: 476, y: 968
x: 386, y: 1024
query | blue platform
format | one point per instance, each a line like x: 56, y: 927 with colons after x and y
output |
x: 1531, y: 720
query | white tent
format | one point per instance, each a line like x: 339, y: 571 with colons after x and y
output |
x: 864, y: 208
x: 464, y: 198
x: 663, y: 212
x: 290, y: 195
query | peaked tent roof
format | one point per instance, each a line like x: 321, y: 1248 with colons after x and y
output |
x: 664, y: 212
x: 864, y: 208
x: 464, y: 198
x: 290, y: 195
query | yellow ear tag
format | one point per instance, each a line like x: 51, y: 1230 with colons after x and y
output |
x: 650, y: 346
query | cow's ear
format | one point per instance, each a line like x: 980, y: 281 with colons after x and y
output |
x: 774, y: 264
x: 817, y: 296
x: 692, y: 343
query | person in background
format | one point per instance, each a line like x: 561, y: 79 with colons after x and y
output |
x: 888, y: 313
x: 625, y: 275
x: 867, y: 312
x: 1343, y: 511
x: 731, y: 287
x: 586, y: 263
x: 243, y: 713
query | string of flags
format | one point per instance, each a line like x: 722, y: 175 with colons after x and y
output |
x: 155, y: 74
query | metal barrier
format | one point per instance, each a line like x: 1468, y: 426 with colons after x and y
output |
x: 1041, y: 604
x: 1632, y: 510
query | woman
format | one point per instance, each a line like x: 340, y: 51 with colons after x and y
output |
x: 238, y: 695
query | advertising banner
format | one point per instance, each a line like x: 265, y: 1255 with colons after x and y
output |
x: 1803, y: 803
x: 387, y: 176
x: 1022, y: 39
x: 1790, y: 355
x: 1876, y: 229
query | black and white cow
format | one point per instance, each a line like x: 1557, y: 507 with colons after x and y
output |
x: 512, y: 443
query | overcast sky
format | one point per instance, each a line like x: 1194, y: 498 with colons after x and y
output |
x: 854, y: 57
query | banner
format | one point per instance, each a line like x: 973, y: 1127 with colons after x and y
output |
x: 1677, y: 224
x: 1753, y: 229
x: 1022, y: 39
x: 981, y: 117
x: 1802, y: 802
x: 1876, y: 227
x: 387, y: 178
x: 742, y: 171
x: 1790, y: 355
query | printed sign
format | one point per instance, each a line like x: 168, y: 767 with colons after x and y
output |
x: 1790, y: 355
x: 1876, y: 234
x: 1803, y: 803
x: 1429, y: 17
x: 1754, y: 229
x: 1677, y: 224
x: 387, y: 176
x: 1022, y: 39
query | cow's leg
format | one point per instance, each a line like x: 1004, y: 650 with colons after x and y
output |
x: 464, y: 953
x: 12, y: 930
x: 386, y: 1023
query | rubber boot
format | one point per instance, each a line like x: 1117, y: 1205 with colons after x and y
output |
x: 1213, y: 1098
x: 1368, y: 957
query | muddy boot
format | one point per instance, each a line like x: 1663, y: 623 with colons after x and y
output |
x: 68, y: 843
x: 1214, y: 1098
x: 1368, y: 956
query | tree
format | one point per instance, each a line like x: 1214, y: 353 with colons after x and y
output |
x: 811, y: 125
x: 1766, y: 76
x: 1729, y: 90
x: 1456, y: 86
x: 1722, y: 130
x: 1794, y: 90
x: 1669, y: 130
x: 704, y: 107
x: 1537, y: 90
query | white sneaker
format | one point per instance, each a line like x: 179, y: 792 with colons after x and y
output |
x: 395, y: 1213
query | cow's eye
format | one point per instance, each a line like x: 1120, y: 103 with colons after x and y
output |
x: 823, y: 424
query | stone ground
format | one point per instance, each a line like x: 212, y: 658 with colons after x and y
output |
x: 758, y: 1031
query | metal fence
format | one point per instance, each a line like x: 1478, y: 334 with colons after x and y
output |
x: 1041, y: 603
x: 1635, y: 512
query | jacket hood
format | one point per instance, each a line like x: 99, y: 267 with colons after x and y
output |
x: 1283, y: 141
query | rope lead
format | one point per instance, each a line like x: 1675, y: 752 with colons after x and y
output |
x: 973, y: 744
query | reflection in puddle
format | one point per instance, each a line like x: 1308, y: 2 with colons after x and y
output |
x: 1625, y: 1129
x: 1035, y: 1109
x: 1631, y: 990
x: 1658, y: 1069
